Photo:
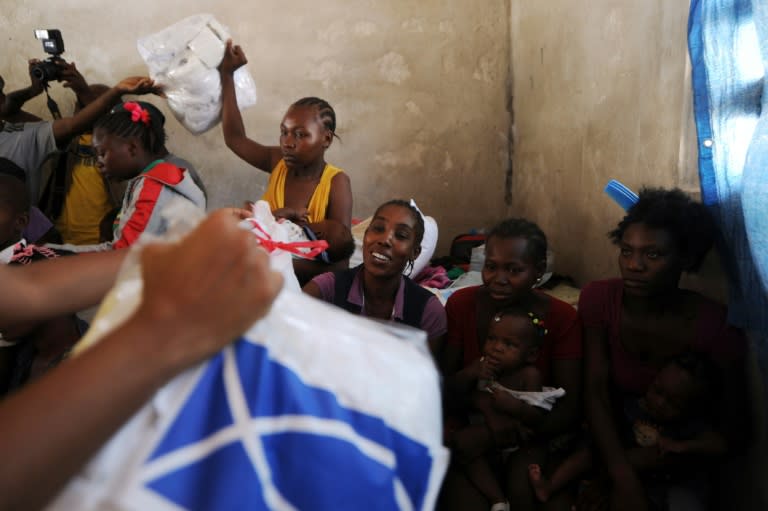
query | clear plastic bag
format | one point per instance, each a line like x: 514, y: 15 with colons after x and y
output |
x: 312, y: 408
x: 183, y: 58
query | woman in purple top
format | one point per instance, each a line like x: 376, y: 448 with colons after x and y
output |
x: 377, y: 288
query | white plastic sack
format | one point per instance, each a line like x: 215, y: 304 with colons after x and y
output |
x: 313, y: 408
x: 279, y: 260
x: 183, y: 58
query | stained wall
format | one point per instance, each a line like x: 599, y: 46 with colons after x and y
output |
x: 420, y: 89
x: 601, y: 91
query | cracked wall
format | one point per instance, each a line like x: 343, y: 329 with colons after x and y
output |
x: 601, y: 91
x: 420, y: 89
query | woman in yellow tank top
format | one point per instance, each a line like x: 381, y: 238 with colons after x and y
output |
x: 302, y: 186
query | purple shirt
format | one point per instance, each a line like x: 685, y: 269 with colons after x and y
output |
x: 37, y: 226
x: 433, y: 319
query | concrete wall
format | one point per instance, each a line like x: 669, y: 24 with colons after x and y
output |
x: 601, y: 91
x: 422, y: 93
x: 420, y: 89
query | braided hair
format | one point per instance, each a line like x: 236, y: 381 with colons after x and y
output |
x: 325, y: 112
x: 147, y: 127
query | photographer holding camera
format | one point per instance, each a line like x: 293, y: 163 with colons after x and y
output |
x: 29, y: 143
x: 11, y: 104
x: 42, y: 72
x: 40, y: 228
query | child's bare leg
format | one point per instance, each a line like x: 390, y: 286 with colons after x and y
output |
x: 518, y: 489
x: 480, y: 474
x: 471, y: 442
x: 571, y: 468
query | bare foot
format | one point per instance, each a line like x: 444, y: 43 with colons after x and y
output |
x: 538, y: 482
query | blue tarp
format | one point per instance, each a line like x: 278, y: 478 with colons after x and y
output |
x: 728, y: 40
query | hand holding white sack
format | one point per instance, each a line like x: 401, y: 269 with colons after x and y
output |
x: 183, y: 59
x: 312, y: 408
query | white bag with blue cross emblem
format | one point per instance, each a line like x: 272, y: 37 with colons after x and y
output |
x: 313, y: 408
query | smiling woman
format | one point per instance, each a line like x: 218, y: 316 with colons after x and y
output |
x: 377, y: 288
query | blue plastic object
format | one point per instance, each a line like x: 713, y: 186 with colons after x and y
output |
x: 622, y: 195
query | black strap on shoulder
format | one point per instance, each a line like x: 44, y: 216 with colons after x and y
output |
x: 414, y: 303
x: 52, y: 198
x: 414, y: 300
x: 342, y: 286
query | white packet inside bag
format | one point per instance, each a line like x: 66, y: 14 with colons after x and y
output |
x: 183, y: 58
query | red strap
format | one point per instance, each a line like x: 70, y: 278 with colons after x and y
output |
x: 316, y: 247
x: 166, y: 173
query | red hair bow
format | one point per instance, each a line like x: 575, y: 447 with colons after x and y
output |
x: 138, y: 114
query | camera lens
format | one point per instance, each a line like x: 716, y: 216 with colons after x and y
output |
x: 38, y: 72
x: 46, y: 71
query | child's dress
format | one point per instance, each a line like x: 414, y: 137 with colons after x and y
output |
x: 544, y: 399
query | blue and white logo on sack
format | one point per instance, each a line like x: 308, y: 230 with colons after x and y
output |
x: 252, y: 435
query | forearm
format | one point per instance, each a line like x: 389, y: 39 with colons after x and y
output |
x: 65, y: 128
x: 707, y: 444
x: 15, y: 100
x: 198, y: 295
x: 340, y: 205
x: 564, y: 416
x: 644, y: 458
x: 603, y: 431
x: 86, y: 95
x: 676, y: 453
x: 260, y: 156
x: 52, y: 427
x: 598, y: 409
x: 83, y: 279
x: 567, y: 412
x: 531, y: 416
x: 231, y: 121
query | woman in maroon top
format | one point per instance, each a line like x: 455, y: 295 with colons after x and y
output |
x: 515, y: 260
x: 635, y: 324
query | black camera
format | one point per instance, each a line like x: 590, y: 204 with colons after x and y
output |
x: 50, y: 68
